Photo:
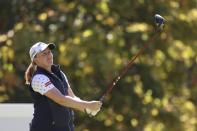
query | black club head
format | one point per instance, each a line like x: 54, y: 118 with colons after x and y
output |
x: 159, y: 21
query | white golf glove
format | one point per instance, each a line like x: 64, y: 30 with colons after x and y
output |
x: 91, y: 112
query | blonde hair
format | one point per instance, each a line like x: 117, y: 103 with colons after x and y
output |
x: 29, y: 72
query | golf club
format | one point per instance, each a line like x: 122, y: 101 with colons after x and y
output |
x: 159, y: 21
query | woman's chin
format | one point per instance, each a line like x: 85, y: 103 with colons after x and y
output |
x: 50, y: 63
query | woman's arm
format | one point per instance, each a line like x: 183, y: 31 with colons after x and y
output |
x: 42, y: 84
x: 71, y: 102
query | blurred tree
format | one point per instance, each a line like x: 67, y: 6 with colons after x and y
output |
x: 95, y: 39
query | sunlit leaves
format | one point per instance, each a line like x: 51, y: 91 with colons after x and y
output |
x: 87, y: 33
x: 137, y: 27
x: 38, y: 28
x: 103, y: 6
x: 119, y: 118
x: 63, y: 51
x: 192, y: 15
x: 157, y: 102
x: 66, y: 7
x: 148, y: 97
x: 189, y: 106
x: 174, y: 4
x: 88, y: 69
x: 9, y: 67
x: 138, y: 89
x: 134, y: 122
x: 42, y: 16
x: 6, y: 53
x: 95, y: 39
x: 78, y: 22
x: 10, y: 34
x: 110, y: 37
x: 77, y: 40
x: 180, y: 51
x: 4, y: 97
x: 109, y: 21
x: 154, y: 112
x: 108, y: 122
x: 118, y: 61
x: 186, y: 112
x: 154, y: 126
x: 159, y: 57
x: 18, y: 26
x: 3, y: 38
x: 189, y: 16
x: 82, y: 55
x: 53, y: 27
x: 99, y: 17
x: 159, y: 74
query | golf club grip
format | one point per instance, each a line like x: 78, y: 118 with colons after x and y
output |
x: 125, y: 69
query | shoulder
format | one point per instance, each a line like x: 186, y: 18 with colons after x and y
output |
x: 41, y: 83
x: 40, y: 77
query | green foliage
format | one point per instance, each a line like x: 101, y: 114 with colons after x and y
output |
x: 95, y: 39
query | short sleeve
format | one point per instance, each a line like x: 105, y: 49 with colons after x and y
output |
x: 41, y: 84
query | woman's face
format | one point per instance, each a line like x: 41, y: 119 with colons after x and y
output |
x: 44, y: 58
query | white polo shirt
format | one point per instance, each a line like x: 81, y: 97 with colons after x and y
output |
x: 41, y: 84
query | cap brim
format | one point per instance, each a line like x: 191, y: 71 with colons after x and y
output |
x: 51, y: 46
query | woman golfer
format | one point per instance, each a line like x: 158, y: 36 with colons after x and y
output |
x: 52, y: 95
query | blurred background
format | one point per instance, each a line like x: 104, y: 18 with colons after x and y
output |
x: 97, y: 38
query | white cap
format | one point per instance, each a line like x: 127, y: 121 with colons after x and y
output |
x: 39, y: 47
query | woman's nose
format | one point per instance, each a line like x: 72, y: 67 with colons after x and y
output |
x: 50, y: 55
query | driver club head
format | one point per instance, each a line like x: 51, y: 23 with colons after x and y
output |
x: 159, y: 21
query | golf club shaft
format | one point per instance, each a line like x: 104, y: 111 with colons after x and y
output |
x: 125, y: 69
